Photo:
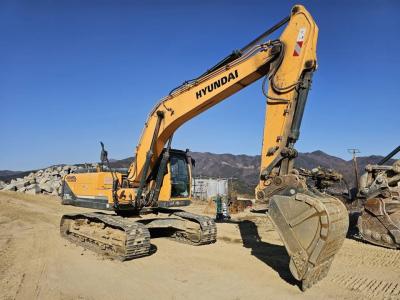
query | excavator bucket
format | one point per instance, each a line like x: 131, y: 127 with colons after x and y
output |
x: 313, y: 228
x: 379, y: 222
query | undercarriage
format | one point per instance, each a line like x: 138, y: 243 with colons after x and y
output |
x: 128, y: 238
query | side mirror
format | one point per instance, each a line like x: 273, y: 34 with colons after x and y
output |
x: 193, y: 162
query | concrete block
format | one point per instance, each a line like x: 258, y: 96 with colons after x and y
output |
x: 46, y: 187
x: 33, y: 189
x: 10, y: 187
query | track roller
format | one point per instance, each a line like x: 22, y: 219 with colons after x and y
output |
x: 109, y: 235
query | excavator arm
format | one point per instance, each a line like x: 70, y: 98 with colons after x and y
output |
x: 287, y: 64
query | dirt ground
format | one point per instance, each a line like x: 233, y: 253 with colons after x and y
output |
x: 247, y: 262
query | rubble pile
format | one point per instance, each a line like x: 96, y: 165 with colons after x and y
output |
x: 46, y: 181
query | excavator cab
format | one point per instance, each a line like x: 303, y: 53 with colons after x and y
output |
x: 177, y: 182
x: 180, y: 179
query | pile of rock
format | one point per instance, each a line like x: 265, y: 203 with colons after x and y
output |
x: 47, y: 181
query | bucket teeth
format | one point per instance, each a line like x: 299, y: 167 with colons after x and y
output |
x: 313, y: 229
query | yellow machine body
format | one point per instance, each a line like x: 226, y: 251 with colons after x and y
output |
x: 94, y: 188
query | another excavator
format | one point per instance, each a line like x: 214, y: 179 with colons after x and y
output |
x: 379, y: 193
x: 312, y: 225
x: 373, y: 205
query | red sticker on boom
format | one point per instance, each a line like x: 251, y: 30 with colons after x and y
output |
x: 299, y: 42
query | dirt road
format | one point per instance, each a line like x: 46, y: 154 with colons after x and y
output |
x: 247, y: 262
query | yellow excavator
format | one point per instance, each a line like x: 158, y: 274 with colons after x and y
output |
x: 312, y: 226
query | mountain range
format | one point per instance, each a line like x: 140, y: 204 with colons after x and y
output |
x: 244, y: 169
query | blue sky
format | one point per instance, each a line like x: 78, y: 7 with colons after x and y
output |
x: 76, y: 72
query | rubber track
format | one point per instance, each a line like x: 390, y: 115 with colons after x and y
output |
x: 137, y: 236
x: 208, y: 234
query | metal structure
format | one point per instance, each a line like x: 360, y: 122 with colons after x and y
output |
x: 375, y: 205
x: 204, y: 188
x: 379, y: 222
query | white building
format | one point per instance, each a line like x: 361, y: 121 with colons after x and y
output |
x: 206, y: 188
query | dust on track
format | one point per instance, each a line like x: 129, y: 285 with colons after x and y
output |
x: 247, y: 262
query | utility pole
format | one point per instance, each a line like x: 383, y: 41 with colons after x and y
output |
x: 354, y: 153
x: 230, y: 183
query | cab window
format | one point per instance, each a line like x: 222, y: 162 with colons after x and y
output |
x: 179, y: 177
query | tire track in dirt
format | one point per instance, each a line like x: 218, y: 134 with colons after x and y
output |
x: 370, y: 255
x: 371, y: 288
x: 20, y: 285
x: 5, y: 245
x: 375, y: 278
